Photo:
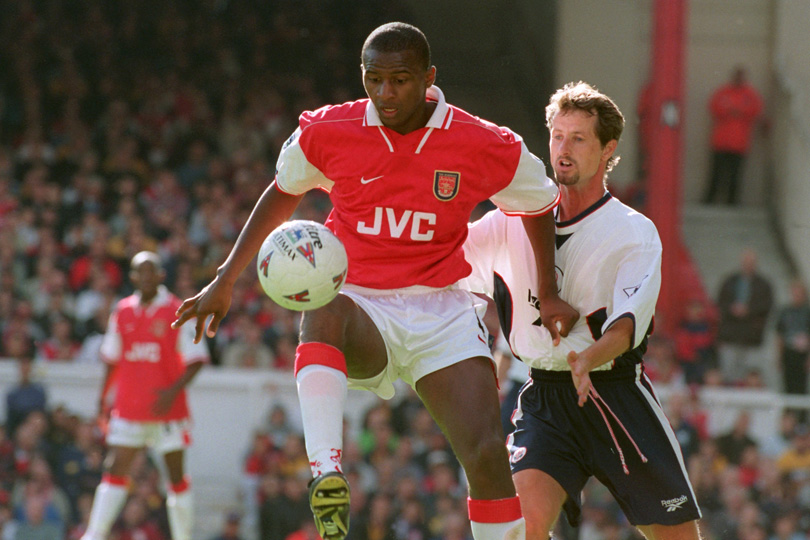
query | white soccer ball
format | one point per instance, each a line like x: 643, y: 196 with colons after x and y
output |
x: 302, y: 265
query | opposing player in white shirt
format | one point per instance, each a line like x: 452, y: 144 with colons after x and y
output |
x: 588, y: 409
x: 404, y: 170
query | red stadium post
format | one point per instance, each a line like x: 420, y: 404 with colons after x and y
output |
x: 664, y: 168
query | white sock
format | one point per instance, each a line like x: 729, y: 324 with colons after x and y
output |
x: 510, y: 530
x: 107, y: 504
x: 322, y: 397
x: 180, y: 508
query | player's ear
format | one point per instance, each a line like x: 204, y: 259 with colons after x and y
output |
x: 430, y: 76
x: 609, y: 148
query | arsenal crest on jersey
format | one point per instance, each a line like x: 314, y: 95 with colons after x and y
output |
x: 445, y: 184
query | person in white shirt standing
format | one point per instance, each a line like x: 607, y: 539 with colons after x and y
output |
x: 588, y: 408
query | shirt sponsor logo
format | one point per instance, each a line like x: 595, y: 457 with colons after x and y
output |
x: 674, y: 504
x: 143, y: 352
x: 397, y: 224
x: 445, y: 184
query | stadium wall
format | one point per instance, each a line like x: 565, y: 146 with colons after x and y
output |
x: 791, y: 129
x: 230, y: 405
x: 227, y: 405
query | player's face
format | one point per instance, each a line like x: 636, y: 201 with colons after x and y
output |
x: 577, y: 155
x: 396, y: 85
x: 146, y: 277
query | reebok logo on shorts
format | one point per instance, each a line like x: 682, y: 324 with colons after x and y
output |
x: 674, y: 504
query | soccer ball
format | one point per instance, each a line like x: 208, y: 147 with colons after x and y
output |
x: 302, y: 265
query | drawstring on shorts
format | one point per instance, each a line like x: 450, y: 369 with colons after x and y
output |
x: 596, y: 398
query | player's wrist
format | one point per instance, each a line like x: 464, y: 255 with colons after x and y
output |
x: 226, y: 276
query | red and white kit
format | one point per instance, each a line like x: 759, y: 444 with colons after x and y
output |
x: 149, y: 355
x: 408, y: 198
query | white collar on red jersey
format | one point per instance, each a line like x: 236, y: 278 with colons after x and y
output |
x: 161, y: 298
x: 440, y: 119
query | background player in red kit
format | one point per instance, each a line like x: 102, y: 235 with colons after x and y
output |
x: 150, y: 363
x: 404, y: 171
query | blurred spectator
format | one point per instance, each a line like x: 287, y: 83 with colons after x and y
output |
x: 744, y: 302
x: 95, y: 260
x: 27, y: 396
x: 785, y: 527
x: 777, y: 443
x: 376, y: 523
x: 278, y: 426
x: 90, y: 350
x: 230, y: 528
x: 135, y: 523
x: 249, y: 351
x: 60, y: 346
x: 34, y: 525
x: 733, y: 443
x: 793, y: 339
x: 307, y: 531
x: 687, y: 435
x: 735, y: 108
x: 50, y: 504
x: 796, y: 459
x: 409, y: 523
x: 694, y: 343
x: 285, y: 509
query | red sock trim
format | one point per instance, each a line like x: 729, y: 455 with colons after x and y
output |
x: 495, y: 510
x: 319, y: 354
x: 181, y: 486
x: 121, y: 481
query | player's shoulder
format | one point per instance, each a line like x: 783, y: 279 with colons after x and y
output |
x: 629, y: 222
x: 477, y: 128
x: 333, y: 114
x: 173, y: 302
x: 127, y: 303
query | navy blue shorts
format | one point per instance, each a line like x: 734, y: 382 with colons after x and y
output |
x: 571, y: 444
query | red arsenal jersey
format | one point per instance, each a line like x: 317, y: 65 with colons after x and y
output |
x: 402, y: 202
x: 149, y: 354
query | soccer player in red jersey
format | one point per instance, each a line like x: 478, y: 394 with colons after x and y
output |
x: 150, y: 363
x: 404, y: 171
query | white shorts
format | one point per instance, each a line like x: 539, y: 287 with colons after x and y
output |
x: 424, y: 330
x: 162, y: 437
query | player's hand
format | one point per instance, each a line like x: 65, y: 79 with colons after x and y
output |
x: 214, y: 301
x: 581, y: 376
x: 164, y: 401
x: 558, y: 317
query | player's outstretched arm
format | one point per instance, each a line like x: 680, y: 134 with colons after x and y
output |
x: 271, y: 210
x: 557, y: 316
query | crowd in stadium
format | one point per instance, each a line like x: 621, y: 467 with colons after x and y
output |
x: 155, y: 125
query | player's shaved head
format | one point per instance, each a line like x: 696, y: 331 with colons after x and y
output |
x: 398, y: 37
x: 146, y: 256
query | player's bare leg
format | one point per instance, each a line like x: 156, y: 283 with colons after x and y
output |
x: 330, y: 336
x: 179, y: 503
x: 111, y: 493
x: 541, y: 498
x: 453, y: 396
x: 683, y: 531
